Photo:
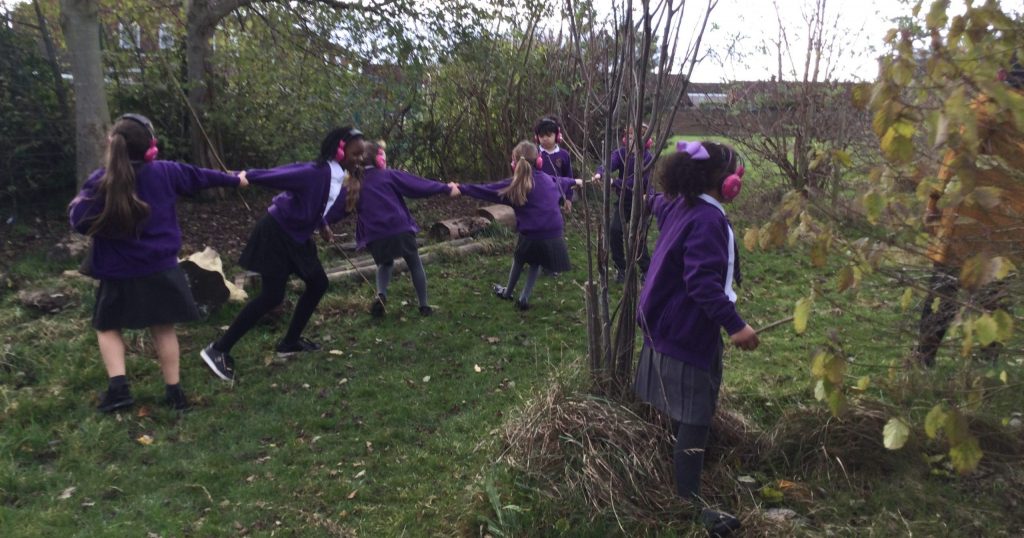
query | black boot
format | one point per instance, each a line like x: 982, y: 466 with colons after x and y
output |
x: 116, y: 397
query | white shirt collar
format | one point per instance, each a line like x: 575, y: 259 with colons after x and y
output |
x: 338, y: 175
x: 552, y: 152
x: 711, y: 200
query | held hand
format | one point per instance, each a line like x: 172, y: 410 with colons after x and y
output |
x: 596, y: 178
x: 242, y: 181
x: 326, y: 233
x: 454, y: 193
x: 745, y: 339
x: 579, y: 183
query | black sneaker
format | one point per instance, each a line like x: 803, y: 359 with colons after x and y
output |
x: 426, y: 310
x: 501, y: 292
x: 116, y: 398
x: 176, y: 399
x: 521, y: 305
x: 304, y: 345
x: 719, y: 523
x: 377, y: 309
x: 219, y: 362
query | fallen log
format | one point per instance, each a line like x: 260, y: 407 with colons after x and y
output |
x: 368, y: 271
x: 498, y: 212
x: 458, y: 228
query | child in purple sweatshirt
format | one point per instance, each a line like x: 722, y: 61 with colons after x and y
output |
x: 623, y: 161
x: 128, y: 208
x: 315, y: 195
x: 534, y: 196
x: 687, y: 300
x: 386, y: 227
x: 557, y: 163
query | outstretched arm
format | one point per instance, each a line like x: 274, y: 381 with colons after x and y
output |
x: 414, y: 186
x: 488, y: 192
x: 189, y: 180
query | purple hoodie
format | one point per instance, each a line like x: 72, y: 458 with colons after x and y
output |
x: 683, y: 305
x: 539, y: 217
x: 624, y: 165
x: 155, y: 249
x: 381, y: 207
x: 300, y: 209
x: 557, y: 164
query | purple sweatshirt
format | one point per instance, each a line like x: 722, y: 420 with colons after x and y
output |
x: 381, y: 207
x: 624, y: 165
x: 155, y: 249
x: 683, y: 305
x: 539, y: 217
x: 300, y: 209
x: 557, y: 164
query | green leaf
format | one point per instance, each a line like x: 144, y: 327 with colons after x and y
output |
x: 863, y: 383
x: 842, y: 157
x: 821, y: 358
x: 836, y: 402
x: 771, y: 494
x: 936, y: 17
x: 820, y: 393
x: 1004, y: 325
x: 1004, y: 377
x: 906, y: 299
x: 801, y: 314
x: 895, y: 433
x: 835, y: 368
x: 935, y: 420
x: 987, y: 330
x: 873, y: 205
x: 965, y: 455
x: 844, y: 280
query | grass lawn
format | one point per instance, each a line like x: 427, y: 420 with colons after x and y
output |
x: 392, y: 430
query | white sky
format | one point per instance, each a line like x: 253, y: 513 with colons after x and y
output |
x: 861, y: 27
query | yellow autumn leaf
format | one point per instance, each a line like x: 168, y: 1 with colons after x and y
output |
x: 801, y: 314
x: 895, y: 433
x: 144, y: 440
x: 750, y: 239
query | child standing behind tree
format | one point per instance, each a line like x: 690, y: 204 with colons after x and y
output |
x: 557, y: 163
x: 386, y: 227
x: 688, y: 298
x: 128, y: 208
x: 534, y: 196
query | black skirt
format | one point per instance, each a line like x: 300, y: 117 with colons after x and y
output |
x: 680, y: 390
x: 387, y: 249
x: 551, y: 254
x: 272, y: 252
x: 145, y: 301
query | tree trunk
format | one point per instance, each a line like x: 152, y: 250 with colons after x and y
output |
x: 80, y: 22
x: 200, y: 25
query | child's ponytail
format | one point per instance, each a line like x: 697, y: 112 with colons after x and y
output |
x: 522, y: 178
x: 123, y: 210
x: 353, y: 185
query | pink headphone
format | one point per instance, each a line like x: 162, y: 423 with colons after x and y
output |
x: 340, y: 154
x: 539, y: 163
x: 732, y: 184
x: 545, y: 121
x: 153, y: 151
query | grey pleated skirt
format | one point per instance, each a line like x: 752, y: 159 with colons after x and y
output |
x: 681, y: 390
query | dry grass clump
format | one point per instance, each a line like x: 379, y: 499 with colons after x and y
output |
x: 617, y: 460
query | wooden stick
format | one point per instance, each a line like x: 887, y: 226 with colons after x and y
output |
x: 774, y: 324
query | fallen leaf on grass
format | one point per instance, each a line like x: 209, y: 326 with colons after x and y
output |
x: 336, y: 352
x: 493, y: 339
x: 352, y: 495
x: 67, y: 493
x: 145, y: 440
x: 361, y: 474
x: 143, y: 412
x: 426, y: 379
x: 477, y: 368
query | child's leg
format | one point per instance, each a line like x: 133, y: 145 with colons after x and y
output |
x: 688, y: 457
x: 165, y: 339
x: 531, y: 279
x: 316, y: 287
x: 419, y: 277
x: 513, y: 276
x: 271, y: 294
x: 112, y: 350
x: 384, y: 271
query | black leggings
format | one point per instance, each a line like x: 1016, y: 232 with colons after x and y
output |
x: 272, y: 294
x: 688, y: 458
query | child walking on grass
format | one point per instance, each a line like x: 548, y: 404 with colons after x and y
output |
x: 386, y: 227
x: 128, y: 208
x: 686, y: 302
x: 315, y: 195
x: 534, y: 196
